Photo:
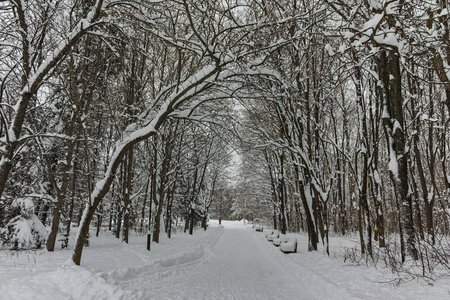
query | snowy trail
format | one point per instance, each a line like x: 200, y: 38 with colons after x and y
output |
x: 236, y: 267
x: 224, y: 262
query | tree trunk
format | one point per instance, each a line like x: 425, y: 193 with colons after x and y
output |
x: 305, y: 195
x: 51, y: 240
x: 364, y: 213
x: 282, y: 191
x: 204, y: 221
x: 191, y: 222
x: 169, y: 211
x: 127, y: 190
x: 186, y: 223
x: 157, y: 227
x: 83, y: 232
x: 99, y: 220
x: 72, y: 200
x: 376, y: 183
x: 396, y: 140
x: 144, y: 204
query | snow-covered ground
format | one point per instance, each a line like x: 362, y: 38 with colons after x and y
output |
x: 226, y: 262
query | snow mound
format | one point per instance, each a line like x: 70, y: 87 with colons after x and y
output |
x: 69, y: 279
x: 168, y: 267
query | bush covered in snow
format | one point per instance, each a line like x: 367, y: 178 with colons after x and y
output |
x: 24, y: 231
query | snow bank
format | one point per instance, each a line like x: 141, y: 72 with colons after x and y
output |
x: 330, y: 277
x: 81, y: 283
x: 111, y: 269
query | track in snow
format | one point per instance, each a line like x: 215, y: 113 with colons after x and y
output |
x: 237, y: 267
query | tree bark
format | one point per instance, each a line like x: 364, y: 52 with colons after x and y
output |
x: 364, y: 213
x: 395, y: 132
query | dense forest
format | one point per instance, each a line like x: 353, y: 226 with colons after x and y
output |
x: 336, y: 110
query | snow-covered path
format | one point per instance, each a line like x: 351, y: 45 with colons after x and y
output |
x: 225, y: 262
x: 235, y: 268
